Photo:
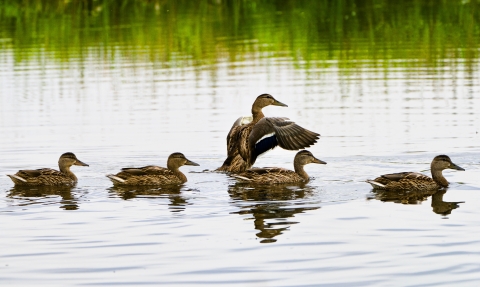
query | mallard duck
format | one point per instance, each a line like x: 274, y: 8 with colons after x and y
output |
x: 154, y: 175
x: 276, y: 175
x: 247, y: 139
x: 47, y: 176
x: 416, y: 181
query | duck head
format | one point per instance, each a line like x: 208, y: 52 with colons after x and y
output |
x: 305, y: 157
x: 177, y: 159
x: 68, y: 159
x: 267, y: 100
x: 441, y: 162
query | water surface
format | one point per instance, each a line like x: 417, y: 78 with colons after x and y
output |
x: 129, y: 87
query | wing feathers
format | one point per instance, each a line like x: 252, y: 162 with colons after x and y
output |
x: 405, y: 175
x: 287, y: 134
x: 294, y: 137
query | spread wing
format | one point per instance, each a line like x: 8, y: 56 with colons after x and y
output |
x: 405, y: 175
x: 270, y: 132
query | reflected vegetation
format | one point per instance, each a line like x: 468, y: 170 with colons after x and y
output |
x: 45, y: 195
x: 173, y: 193
x: 270, y: 206
x: 312, y: 33
x: 408, y: 197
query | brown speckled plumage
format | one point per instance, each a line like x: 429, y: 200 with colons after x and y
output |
x: 417, y: 181
x: 246, y: 141
x: 50, y: 177
x: 154, y: 175
x: 234, y: 162
x: 276, y: 175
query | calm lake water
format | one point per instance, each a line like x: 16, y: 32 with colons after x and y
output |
x: 114, y: 106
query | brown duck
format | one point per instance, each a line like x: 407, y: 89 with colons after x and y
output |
x: 276, y: 175
x: 154, y: 175
x: 249, y: 139
x: 416, y: 181
x: 47, y: 176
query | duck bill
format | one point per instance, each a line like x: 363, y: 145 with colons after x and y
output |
x: 277, y: 103
x: 454, y: 166
x: 189, y: 162
x: 80, y: 163
x: 316, y: 160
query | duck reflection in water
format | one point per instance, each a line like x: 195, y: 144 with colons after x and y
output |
x: 29, y: 195
x: 443, y: 207
x: 270, y: 203
x: 172, y: 192
x: 416, y: 197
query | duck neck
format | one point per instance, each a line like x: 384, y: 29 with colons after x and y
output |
x: 66, y: 170
x: 438, y: 178
x: 177, y: 172
x: 300, y: 171
x: 257, y: 113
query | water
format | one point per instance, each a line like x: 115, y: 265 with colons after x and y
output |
x: 375, y: 115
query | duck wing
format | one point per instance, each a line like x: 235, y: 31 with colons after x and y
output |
x: 265, y: 170
x: 233, y: 133
x: 31, y: 173
x: 146, y: 170
x: 405, y: 175
x: 271, y: 132
x: 234, y: 162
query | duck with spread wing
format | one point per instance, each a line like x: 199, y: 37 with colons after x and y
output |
x: 250, y: 137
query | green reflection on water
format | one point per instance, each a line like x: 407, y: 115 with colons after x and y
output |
x: 192, y: 33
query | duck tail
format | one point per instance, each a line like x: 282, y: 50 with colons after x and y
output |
x: 16, y: 178
x: 115, y: 178
x: 241, y: 177
x: 375, y: 184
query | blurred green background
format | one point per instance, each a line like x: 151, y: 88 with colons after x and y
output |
x: 312, y: 33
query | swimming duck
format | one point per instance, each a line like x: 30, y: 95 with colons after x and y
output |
x: 154, y: 175
x: 250, y: 137
x: 416, y: 181
x: 47, y: 176
x: 276, y: 175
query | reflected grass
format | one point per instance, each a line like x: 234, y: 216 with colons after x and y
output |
x: 194, y: 33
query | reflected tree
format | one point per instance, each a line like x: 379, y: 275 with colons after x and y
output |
x: 270, y: 206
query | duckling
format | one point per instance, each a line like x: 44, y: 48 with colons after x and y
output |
x: 416, y: 181
x: 247, y: 139
x: 47, y: 176
x: 154, y: 175
x: 276, y: 175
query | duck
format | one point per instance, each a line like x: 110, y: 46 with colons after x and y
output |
x: 152, y: 174
x: 48, y: 176
x: 252, y: 136
x: 277, y: 175
x: 414, y: 181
